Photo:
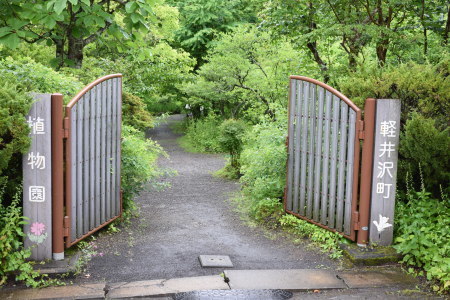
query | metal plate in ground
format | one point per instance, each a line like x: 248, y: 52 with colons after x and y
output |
x: 215, y: 261
x: 235, y: 295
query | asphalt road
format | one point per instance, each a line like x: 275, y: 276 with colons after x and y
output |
x: 192, y: 217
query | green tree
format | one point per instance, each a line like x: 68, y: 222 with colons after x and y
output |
x: 246, y: 76
x: 72, y: 24
x: 203, y: 20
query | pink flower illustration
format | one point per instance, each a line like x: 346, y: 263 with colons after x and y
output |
x: 37, y: 228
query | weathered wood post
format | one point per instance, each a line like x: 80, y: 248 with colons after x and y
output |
x: 384, y: 173
x: 37, y: 180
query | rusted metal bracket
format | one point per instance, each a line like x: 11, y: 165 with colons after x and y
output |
x: 66, y: 226
x: 361, y: 132
x: 66, y: 127
x: 356, y: 223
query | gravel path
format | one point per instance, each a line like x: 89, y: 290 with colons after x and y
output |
x: 191, y: 218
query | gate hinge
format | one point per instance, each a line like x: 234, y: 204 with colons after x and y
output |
x: 356, y: 224
x: 361, y: 132
x: 66, y: 225
x: 66, y: 125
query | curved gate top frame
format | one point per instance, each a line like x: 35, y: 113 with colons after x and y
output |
x: 358, y: 128
x: 69, y: 142
x: 88, y: 87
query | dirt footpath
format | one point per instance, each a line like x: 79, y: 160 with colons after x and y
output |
x: 191, y: 218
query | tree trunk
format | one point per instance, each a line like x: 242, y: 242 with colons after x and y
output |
x: 75, y: 51
x: 382, y: 49
x: 59, y: 53
x: 447, y: 27
x: 312, y: 46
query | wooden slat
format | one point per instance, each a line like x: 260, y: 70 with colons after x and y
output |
x: 92, y: 126
x: 78, y: 185
x: 326, y: 158
x: 103, y: 155
x: 291, y: 126
x: 341, y: 167
x: 108, y: 150
x: 73, y: 217
x: 318, y: 154
x: 304, y: 147
x: 98, y: 123
x: 297, y: 132
x: 85, y: 183
x: 349, y: 172
x: 119, y: 140
x: 113, y: 146
x: 333, y: 156
x: 311, y: 146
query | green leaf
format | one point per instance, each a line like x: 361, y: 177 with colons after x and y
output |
x: 50, y: 4
x: 74, y: 2
x: 130, y: 7
x: 135, y: 18
x: 60, y: 5
x: 16, y: 23
x: 11, y: 40
x: 49, y: 21
x: 5, y: 30
x: 87, y: 2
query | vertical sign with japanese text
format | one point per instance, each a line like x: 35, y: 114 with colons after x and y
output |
x: 384, y: 177
x: 37, y: 178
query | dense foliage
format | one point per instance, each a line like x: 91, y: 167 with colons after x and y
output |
x: 14, y: 139
x: 422, y: 235
x: 12, y: 255
x: 138, y: 163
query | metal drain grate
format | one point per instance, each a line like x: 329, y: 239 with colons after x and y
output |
x: 215, y: 261
x: 235, y: 295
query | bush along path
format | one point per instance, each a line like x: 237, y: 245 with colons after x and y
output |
x: 192, y: 217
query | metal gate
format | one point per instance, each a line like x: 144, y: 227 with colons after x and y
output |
x: 92, y: 126
x: 323, y: 144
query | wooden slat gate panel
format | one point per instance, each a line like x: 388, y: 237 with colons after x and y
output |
x: 323, y: 156
x: 92, y: 154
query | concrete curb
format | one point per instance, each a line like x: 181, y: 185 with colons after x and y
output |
x: 294, y: 280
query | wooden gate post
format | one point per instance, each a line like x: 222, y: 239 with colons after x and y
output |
x: 57, y: 176
x: 37, y: 185
x: 384, y: 174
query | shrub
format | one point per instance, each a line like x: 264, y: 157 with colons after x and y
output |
x: 232, y: 133
x: 423, y: 235
x: 139, y: 157
x: 423, y: 146
x: 12, y: 253
x: 267, y: 211
x: 421, y: 87
x: 31, y: 76
x: 203, y: 135
x: 14, y: 141
x: 134, y: 112
x: 263, y: 161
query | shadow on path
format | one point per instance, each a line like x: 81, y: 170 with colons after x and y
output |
x: 191, y: 218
